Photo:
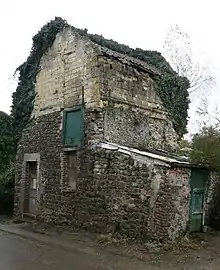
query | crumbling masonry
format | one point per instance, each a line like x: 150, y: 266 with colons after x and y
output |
x: 97, y: 180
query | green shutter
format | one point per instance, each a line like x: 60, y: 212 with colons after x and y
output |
x: 73, y: 127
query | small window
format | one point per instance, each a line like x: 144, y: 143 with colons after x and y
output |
x: 72, y: 169
x: 73, y: 123
x: 69, y: 170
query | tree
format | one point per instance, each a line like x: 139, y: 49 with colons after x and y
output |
x: 7, y: 149
x: 206, y: 150
x: 6, y: 140
x: 210, y: 115
x: 7, y: 153
x: 184, y: 148
x: 205, y: 147
x: 177, y: 49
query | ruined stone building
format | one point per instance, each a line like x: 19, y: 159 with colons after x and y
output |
x: 81, y: 160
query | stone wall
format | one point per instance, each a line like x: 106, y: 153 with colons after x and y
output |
x: 134, y: 114
x: 115, y: 192
x: 74, y: 71
x: 175, y: 198
x: 130, y: 126
x: 212, y: 203
x: 67, y: 75
x: 43, y: 136
x: 145, y: 200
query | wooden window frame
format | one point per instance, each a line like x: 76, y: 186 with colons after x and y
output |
x: 66, y: 168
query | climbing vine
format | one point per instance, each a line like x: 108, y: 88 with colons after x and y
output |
x: 171, y: 88
x: 23, y: 97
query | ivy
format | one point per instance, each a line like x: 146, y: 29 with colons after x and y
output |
x: 153, y: 58
x: 23, y: 97
x: 171, y: 88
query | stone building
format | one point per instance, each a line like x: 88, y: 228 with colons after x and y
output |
x: 78, y: 162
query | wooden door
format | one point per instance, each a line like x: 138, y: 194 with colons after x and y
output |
x: 32, y: 187
x: 199, y: 180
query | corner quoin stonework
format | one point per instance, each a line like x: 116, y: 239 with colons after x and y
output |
x: 113, y: 192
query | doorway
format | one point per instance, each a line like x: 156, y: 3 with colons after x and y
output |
x: 198, y: 181
x: 31, y: 188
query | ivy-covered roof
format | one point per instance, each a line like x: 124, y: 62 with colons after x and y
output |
x: 129, y: 60
x: 171, y: 88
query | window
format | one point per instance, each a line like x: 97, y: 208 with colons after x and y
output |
x: 69, y: 170
x: 73, y: 123
x: 72, y: 169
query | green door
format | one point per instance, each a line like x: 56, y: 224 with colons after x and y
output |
x: 198, y: 187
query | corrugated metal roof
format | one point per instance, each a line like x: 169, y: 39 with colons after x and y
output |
x: 129, y: 151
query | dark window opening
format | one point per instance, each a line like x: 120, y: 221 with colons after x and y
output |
x: 72, y: 169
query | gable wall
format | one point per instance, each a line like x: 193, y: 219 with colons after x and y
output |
x: 134, y: 114
x: 66, y: 75
x: 72, y: 72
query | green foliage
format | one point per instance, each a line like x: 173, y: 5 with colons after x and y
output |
x: 184, y: 148
x: 7, y: 177
x: 7, y: 153
x: 184, y: 144
x: 7, y: 149
x: 171, y: 88
x: 206, y: 148
x: 23, y: 98
x: 7, y: 189
x: 153, y: 58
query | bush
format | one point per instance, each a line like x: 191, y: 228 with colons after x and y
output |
x: 7, y: 153
x: 206, y: 148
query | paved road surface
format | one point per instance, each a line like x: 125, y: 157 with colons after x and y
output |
x: 18, y: 253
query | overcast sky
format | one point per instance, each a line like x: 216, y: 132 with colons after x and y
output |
x: 139, y: 23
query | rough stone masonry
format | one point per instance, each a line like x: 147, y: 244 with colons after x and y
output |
x: 110, y: 191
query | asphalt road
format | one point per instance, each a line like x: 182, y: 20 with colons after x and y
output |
x: 17, y: 253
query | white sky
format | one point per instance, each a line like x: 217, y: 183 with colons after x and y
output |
x: 140, y: 23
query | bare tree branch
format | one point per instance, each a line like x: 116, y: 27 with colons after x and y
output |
x: 177, y: 50
x: 214, y: 115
